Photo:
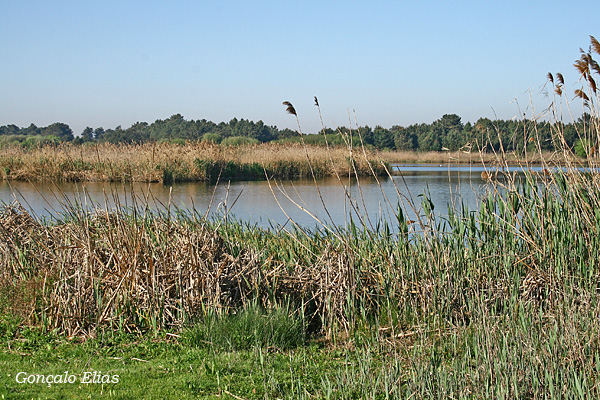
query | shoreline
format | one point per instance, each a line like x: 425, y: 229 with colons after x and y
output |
x: 206, y: 162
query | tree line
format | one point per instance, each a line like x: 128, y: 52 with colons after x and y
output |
x: 446, y: 133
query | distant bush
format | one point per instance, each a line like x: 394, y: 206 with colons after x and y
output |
x: 582, y: 148
x: 239, y: 141
x: 38, y: 140
x: 178, y: 141
x: 12, y: 139
x: 28, y: 141
x: 212, y: 137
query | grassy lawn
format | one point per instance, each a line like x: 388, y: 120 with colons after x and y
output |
x: 149, y: 368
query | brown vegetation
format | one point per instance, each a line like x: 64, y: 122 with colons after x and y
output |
x: 461, y: 157
x: 190, y: 162
x: 136, y: 273
x: 165, y: 162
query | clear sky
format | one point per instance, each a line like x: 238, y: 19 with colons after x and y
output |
x: 108, y: 63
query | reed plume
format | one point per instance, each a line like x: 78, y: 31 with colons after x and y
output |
x: 290, y: 108
x: 595, y: 45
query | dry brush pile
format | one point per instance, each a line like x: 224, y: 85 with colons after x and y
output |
x: 149, y: 272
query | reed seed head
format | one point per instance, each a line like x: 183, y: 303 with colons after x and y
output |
x: 595, y: 45
x: 290, y: 108
x: 594, y: 65
x: 581, y: 94
x: 592, y: 83
x: 582, y: 65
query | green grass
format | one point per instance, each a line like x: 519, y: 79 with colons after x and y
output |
x: 249, y: 327
x: 166, y: 367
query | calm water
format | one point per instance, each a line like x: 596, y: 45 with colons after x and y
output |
x: 258, y: 203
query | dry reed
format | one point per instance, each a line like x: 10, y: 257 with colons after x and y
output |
x: 153, y: 271
x: 150, y: 162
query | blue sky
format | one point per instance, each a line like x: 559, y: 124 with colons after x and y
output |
x: 390, y: 63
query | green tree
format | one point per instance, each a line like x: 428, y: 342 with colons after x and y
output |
x: 98, y: 133
x: 430, y: 142
x: 9, y: 130
x: 59, y: 130
x: 383, y: 138
x: 403, y: 139
x: 87, y: 135
x: 32, y: 130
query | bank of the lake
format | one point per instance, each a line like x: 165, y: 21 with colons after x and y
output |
x: 194, y: 161
x: 206, y: 161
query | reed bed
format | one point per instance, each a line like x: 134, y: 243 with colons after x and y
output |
x: 165, y: 162
x: 465, y: 157
x: 168, y: 163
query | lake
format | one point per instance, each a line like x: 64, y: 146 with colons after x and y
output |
x: 257, y: 202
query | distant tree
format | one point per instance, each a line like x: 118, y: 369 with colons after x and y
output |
x: 10, y: 130
x: 367, y: 134
x: 288, y: 133
x: 430, y: 142
x: 403, y: 138
x: 32, y: 130
x: 452, y: 140
x: 451, y: 121
x: 98, y: 133
x: 137, y: 133
x: 59, y: 130
x: 383, y: 138
x: 87, y: 135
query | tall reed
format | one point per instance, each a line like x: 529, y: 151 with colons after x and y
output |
x: 153, y: 162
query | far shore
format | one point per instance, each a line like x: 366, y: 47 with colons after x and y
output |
x: 168, y: 163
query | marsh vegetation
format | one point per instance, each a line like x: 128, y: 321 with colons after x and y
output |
x: 500, y: 301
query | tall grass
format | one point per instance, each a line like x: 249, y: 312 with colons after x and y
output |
x: 167, y: 162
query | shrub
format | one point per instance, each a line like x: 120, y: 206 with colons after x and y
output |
x: 239, y: 141
x: 212, y: 137
x: 582, y: 148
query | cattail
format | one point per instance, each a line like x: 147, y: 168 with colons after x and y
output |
x: 550, y: 77
x: 290, y: 108
x: 560, y: 79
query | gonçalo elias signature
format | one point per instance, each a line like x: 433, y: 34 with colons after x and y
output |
x: 88, y: 377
